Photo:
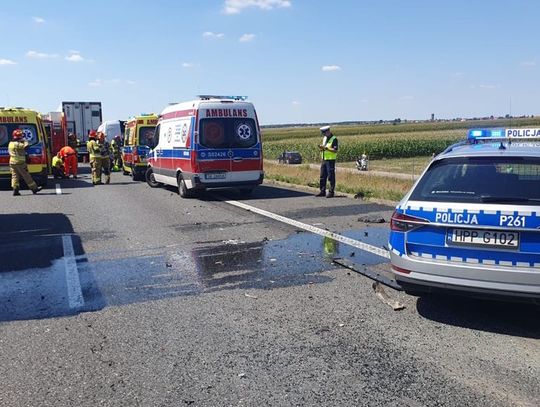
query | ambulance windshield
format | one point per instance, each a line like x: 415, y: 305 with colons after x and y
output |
x: 228, y: 133
x: 481, y: 179
x: 6, y: 130
x: 146, y: 136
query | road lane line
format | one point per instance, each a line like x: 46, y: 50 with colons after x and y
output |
x: 74, y: 290
x: 58, y: 189
x: 321, y: 232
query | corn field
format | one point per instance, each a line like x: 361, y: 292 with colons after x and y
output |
x: 377, y: 146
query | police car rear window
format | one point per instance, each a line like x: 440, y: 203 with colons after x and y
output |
x: 509, y: 180
x: 227, y: 133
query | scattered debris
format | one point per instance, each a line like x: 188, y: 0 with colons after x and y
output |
x: 265, y: 239
x: 351, y: 254
x: 219, y: 262
x: 359, y: 195
x: 273, y: 260
x: 241, y: 375
x: 366, y: 233
x: 341, y: 325
x: 232, y: 241
x: 168, y: 264
x: 371, y: 219
x: 384, y: 297
x: 251, y: 296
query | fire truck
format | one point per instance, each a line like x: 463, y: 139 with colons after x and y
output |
x: 56, y: 130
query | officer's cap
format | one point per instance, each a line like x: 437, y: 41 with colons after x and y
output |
x: 324, y: 128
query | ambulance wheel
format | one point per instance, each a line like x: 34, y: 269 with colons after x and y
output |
x: 134, y: 175
x: 150, y: 179
x: 183, y: 190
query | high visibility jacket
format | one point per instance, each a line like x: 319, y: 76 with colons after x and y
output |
x: 329, y: 155
x: 17, y: 152
x: 94, y: 149
x: 57, y: 162
x: 105, y: 149
x: 115, y: 147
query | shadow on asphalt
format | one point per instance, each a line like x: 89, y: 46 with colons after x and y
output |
x: 515, y: 319
x: 33, y: 278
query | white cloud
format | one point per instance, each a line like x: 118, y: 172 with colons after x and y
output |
x: 187, y: 65
x: 4, y: 61
x: 488, y: 86
x: 247, y: 38
x: 72, y: 51
x: 528, y: 63
x: 237, y: 6
x: 331, y: 68
x: 295, y: 103
x: 210, y: 34
x: 39, y: 20
x: 74, y: 57
x: 40, y: 55
x: 96, y: 83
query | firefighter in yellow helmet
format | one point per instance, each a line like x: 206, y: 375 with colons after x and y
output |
x: 17, y: 163
x: 105, y: 157
x: 94, y: 152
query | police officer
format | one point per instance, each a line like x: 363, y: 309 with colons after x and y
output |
x: 105, y: 148
x: 17, y: 163
x: 116, y: 145
x: 328, y: 149
x: 94, y: 152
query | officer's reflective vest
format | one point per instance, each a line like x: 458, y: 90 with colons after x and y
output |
x: 329, y: 155
x: 17, y: 153
x: 94, y: 150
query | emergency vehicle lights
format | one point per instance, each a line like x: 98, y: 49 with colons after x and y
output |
x: 206, y: 97
x: 476, y: 135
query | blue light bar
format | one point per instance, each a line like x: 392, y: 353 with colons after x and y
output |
x: 479, y: 134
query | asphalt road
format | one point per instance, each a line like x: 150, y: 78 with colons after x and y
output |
x: 123, y: 295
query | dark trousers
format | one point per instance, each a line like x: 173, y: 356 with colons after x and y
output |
x: 328, y: 171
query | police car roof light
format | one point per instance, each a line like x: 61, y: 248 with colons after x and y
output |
x: 207, y: 97
x: 476, y: 135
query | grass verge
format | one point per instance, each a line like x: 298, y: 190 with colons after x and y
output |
x: 365, y: 185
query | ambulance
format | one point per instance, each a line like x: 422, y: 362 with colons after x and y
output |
x: 211, y: 142
x: 29, y: 121
x: 139, y: 138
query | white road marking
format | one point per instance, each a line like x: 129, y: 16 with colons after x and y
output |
x: 75, y: 296
x: 58, y: 189
x: 321, y: 232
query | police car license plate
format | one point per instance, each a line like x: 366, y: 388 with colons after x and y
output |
x: 476, y: 237
x: 215, y: 175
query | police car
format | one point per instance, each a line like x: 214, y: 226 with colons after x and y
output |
x: 471, y: 223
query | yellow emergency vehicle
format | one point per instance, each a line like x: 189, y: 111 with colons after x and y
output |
x: 138, y: 141
x: 38, y: 156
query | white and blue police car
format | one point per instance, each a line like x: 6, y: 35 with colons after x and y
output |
x: 471, y: 223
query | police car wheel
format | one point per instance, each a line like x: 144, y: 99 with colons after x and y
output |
x: 150, y: 179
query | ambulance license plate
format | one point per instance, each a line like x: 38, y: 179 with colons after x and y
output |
x: 215, y: 175
x: 486, y: 238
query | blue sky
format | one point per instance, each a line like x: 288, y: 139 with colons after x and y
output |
x: 298, y: 60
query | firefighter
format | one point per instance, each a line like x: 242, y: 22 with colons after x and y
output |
x: 105, y: 148
x: 73, y: 141
x: 116, y: 145
x: 58, y: 167
x: 94, y: 152
x: 69, y: 157
x: 17, y: 163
